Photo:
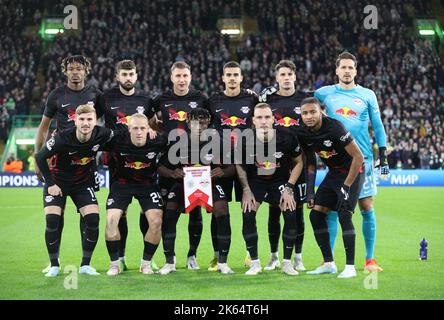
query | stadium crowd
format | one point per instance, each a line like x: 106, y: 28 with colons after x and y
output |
x: 404, y: 71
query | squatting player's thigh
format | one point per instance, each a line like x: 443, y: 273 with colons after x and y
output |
x: 369, y: 187
x: 149, y: 198
x: 119, y: 197
x: 51, y: 203
x: 326, y: 194
x: 85, y: 200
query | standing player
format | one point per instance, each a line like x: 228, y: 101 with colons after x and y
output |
x: 230, y: 110
x: 285, y: 103
x: 355, y: 107
x: 264, y: 172
x: 61, y: 105
x: 117, y: 105
x: 134, y: 175
x: 340, y: 188
x: 74, y: 152
x: 171, y: 110
x: 204, y: 140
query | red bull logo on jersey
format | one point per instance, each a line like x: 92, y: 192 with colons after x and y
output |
x: 137, y: 165
x: 82, y: 161
x: 71, y: 115
x: 232, y: 121
x: 177, y: 115
x: 326, y: 154
x: 346, y: 112
x: 122, y: 119
x: 267, y: 165
x: 287, y: 122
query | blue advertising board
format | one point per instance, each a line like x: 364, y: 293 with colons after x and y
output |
x: 404, y: 178
x: 397, y: 178
x: 29, y: 179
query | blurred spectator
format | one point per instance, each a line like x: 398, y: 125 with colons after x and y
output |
x: 12, y: 165
x: 31, y: 161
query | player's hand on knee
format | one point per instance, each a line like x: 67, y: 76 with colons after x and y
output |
x: 152, y: 133
x: 344, y: 199
x: 287, y: 201
x: 55, y: 190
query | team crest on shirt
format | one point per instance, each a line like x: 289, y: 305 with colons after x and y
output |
x: 110, y: 202
x: 297, y: 110
x: 150, y: 155
x: 278, y: 155
x: 50, y: 143
x: 245, y: 109
x: 49, y: 198
x: 193, y: 104
x: 357, y: 101
x: 140, y: 109
x: 328, y: 143
x: 95, y: 148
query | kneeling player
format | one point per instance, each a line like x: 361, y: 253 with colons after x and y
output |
x: 134, y: 157
x: 71, y: 174
x: 197, y: 121
x: 340, y: 188
x: 267, y: 177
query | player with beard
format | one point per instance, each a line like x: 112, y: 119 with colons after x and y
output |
x: 171, y: 109
x: 356, y: 107
x: 231, y: 109
x: 285, y: 102
x: 117, y: 105
x: 271, y: 164
x: 61, y: 105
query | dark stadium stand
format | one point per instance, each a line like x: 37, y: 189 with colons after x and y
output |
x: 405, y: 71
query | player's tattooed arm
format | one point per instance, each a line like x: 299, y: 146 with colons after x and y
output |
x: 248, y: 201
x: 310, y: 177
x: 356, y: 165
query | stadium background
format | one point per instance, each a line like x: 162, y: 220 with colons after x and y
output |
x: 402, y: 64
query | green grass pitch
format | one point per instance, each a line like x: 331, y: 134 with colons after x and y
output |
x: 404, y: 216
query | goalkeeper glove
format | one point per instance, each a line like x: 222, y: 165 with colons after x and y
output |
x: 267, y: 92
x: 384, y: 170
